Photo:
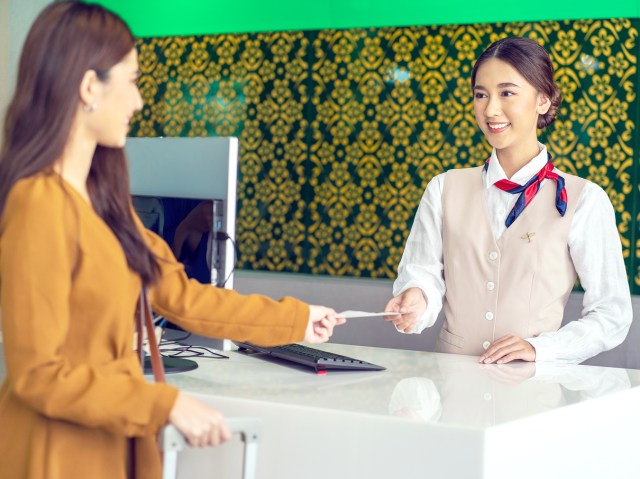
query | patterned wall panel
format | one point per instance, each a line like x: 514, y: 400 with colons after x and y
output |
x: 340, y: 131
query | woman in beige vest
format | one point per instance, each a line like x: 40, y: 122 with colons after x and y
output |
x: 73, y: 257
x: 499, y: 247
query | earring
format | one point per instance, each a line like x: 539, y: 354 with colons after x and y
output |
x: 89, y: 108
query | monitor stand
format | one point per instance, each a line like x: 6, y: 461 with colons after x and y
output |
x: 171, y: 365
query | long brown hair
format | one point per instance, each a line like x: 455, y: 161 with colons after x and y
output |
x: 66, y: 40
x: 532, y: 62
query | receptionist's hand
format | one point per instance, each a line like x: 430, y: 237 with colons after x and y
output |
x: 412, y: 304
x: 321, y: 323
x: 508, y: 348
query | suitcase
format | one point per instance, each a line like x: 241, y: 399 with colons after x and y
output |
x: 172, y: 442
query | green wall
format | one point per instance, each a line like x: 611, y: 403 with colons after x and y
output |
x: 151, y: 18
x: 340, y: 130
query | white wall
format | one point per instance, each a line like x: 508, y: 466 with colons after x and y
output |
x: 16, y: 16
x: 4, y: 57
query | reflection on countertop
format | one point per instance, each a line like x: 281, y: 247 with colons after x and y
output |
x: 482, y: 395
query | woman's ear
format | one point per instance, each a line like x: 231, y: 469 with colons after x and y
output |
x: 543, y: 104
x: 89, y: 90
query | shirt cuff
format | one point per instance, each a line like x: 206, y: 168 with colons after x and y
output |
x: 544, y: 352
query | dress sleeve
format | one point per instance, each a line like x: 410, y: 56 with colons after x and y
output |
x: 222, y: 313
x: 38, y: 250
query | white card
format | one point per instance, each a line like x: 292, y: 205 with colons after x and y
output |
x: 363, y: 314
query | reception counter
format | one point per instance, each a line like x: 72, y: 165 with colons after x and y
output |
x: 427, y: 416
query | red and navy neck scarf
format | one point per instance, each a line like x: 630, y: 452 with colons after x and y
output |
x: 530, y: 188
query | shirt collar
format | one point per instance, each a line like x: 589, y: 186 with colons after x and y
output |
x: 524, y: 174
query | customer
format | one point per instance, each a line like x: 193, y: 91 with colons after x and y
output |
x: 73, y: 258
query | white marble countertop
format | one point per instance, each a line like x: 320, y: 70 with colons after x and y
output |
x: 428, y: 415
x: 439, y: 388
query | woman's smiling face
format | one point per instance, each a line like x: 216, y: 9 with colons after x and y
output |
x: 507, y: 106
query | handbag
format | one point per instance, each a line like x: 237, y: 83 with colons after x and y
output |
x: 144, y: 320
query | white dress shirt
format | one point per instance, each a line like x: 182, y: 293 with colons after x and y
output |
x: 594, y: 246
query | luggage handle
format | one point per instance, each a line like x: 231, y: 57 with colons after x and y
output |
x: 172, y: 442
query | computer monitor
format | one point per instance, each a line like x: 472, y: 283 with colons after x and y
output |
x: 200, y: 169
x: 184, y: 189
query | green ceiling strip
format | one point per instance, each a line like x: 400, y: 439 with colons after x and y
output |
x: 153, y: 18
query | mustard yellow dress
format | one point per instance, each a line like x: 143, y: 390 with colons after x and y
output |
x: 74, y: 392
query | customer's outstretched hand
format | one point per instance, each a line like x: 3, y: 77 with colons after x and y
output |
x: 321, y: 323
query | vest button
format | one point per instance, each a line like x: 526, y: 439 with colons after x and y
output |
x: 493, y: 256
x: 488, y: 316
x: 486, y: 344
x: 491, y: 286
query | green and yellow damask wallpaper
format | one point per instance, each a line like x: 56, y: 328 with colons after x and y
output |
x: 341, y: 130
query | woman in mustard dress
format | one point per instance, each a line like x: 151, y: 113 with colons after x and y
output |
x: 73, y: 258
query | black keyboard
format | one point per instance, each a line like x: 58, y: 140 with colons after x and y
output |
x: 316, y: 358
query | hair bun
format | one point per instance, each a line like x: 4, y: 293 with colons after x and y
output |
x: 550, y: 116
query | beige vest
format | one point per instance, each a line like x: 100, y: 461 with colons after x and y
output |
x: 516, y: 285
